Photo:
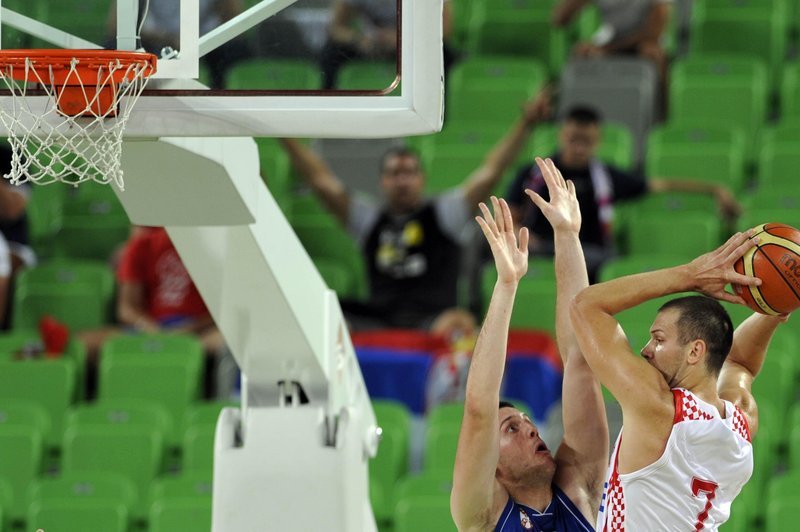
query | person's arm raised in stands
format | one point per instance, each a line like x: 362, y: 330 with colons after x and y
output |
x: 327, y: 187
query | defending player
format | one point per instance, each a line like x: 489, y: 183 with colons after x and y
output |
x: 505, y: 478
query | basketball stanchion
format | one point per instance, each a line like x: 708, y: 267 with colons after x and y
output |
x: 74, y: 133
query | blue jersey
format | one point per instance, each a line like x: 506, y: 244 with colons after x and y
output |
x: 561, y: 515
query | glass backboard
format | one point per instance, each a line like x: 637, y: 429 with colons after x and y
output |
x: 333, y: 68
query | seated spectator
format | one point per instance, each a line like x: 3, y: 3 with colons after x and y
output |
x: 156, y: 294
x: 631, y: 27
x: 15, y: 251
x: 412, y: 244
x: 367, y: 29
x: 598, y: 187
x: 160, y: 29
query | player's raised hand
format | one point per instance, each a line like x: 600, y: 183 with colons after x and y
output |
x: 562, y: 211
x: 713, y: 271
x: 510, y: 255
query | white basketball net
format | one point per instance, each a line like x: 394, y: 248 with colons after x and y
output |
x: 49, y: 146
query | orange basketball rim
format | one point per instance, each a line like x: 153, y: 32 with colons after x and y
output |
x: 85, y: 81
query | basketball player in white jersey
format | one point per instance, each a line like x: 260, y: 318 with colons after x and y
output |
x: 688, y: 413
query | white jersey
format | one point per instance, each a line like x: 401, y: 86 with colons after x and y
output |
x: 706, y: 462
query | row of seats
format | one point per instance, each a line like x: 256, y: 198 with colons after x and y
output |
x: 111, y: 445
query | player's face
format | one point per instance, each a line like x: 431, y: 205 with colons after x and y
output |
x: 402, y: 181
x: 523, y: 454
x: 664, y: 351
x: 578, y: 143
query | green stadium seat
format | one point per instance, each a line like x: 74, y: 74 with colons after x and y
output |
x: 276, y: 172
x: 95, y: 224
x: 339, y: 278
x: 535, y: 304
x: 78, y: 516
x: 273, y: 74
x: 83, y: 18
x: 20, y: 464
x: 47, y: 383
x: 368, y: 75
x: 756, y: 215
x: 486, y: 72
x: 205, y: 413
x: 705, y: 88
x: 441, y: 442
x: 522, y: 28
x: 779, y: 158
x: 95, y: 276
x: 391, y: 462
x: 186, y: 485
x: 423, y: 513
x: 105, y: 487
x: 45, y: 211
x: 133, y: 451
x: 198, y: 448
x: 165, y: 369
x: 700, y: 232
x: 79, y: 306
x: 743, y: 27
x: 192, y: 514
x: 790, y: 91
x: 121, y: 412
x: 709, y: 153
x: 324, y: 238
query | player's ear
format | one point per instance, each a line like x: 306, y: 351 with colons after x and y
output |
x: 697, y: 351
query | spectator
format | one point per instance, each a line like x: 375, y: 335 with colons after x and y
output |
x: 630, y: 27
x: 160, y: 29
x: 15, y: 251
x: 367, y: 29
x: 599, y: 186
x: 412, y: 244
x: 156, y: 294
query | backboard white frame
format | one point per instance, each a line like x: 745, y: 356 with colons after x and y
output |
x: 417, y: 110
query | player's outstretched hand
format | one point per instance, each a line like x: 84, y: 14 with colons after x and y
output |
x: 510, y: 255
x: 562, y: 211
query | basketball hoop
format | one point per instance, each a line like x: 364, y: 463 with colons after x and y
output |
x: 75, y: 133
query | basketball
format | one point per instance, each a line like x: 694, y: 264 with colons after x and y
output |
x: 776, y: 261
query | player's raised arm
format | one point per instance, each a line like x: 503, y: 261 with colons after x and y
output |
x: 477, y: 498
x: 750, y: 342
x: 582, y: 457
x: 641, y: 388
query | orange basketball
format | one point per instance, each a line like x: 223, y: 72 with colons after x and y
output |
x: 776, y: 261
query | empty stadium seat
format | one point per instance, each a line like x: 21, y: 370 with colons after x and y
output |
x: 708, y: 152
x: 133, y: 451
x: 273, y: 74
x: 191, y: 514
x: 78, y: 516
x: 20, y: 463
x: 705, y: 88
x: 744, y: 27
x: 521, y: 28
x: 368, y: 75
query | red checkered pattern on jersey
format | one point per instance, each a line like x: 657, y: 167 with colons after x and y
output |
x: 615, y: 501
x: 689, y: 410
x: 740, y: 424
